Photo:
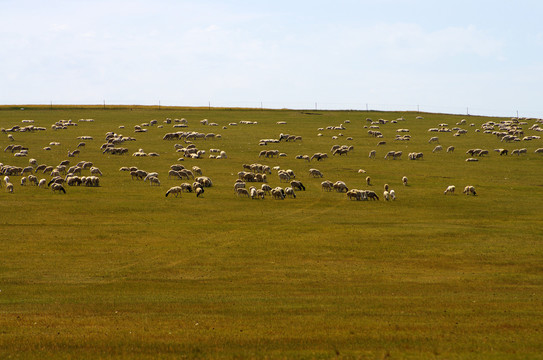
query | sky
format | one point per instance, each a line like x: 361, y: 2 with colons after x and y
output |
x: 477, y: 57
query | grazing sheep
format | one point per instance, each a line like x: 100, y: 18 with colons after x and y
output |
x: 199, y: 191
x: 242, y: 192
x: 278, y: 193
x: 539, y: 151
x: 9, y: 187
x: 95, y: 171
x: 386, y: 187
x: 327, y: 185
x: 450, y: 149
x: 354, y: 194
x: 433, y: 139
x: 404, y: 180
x: 153, y: 180
x: 23, y: 181
x: 42, y: 183
x: 58, y: 187
x: 290, y: 192
x: 372, y: 154
x: 175, y: 190
x: 368, y: 180
x: 197, y: 170
x: 266, y: 188
x: 386, y: 195
x: 449, y: 190
x: 371, y: 195
x: 238, y: 185
x: 340, y: 186
x: 437, y: 148
x: 297, y: 185
x: 469, y: 190
x: 32, y: 180
x: 284, y: 176
x: 392, y: 194
x: 315, y: 173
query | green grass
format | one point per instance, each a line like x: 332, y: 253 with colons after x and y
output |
x: 121, y: 271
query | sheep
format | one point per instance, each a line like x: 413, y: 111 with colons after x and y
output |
x: 469, y: 190
x: 284, y: 176
x: 368, y: 180
x: 95, y: 171
x: 32, y: 180
x: 326, y: 185
x: 154, y: 180
x: 392, y: 194
x: 354, y: 194
x: 386, y: 195
x: 199, y: 191
x: 315, y: 173
x: 197, y: 170
x: 404, y: 180
x: 297, y: 185
x: 539, y: 151
x: 450, y: 149
x: 340, y: 186
x: 278, y: 193
x: 290, y: 192
x: 58, y: 187
x: 9, y: 187
x: 150, y: 175
x: 266, y: 188
x: 449, y: 190
x: 242, y: 192
x: 437, y: 148
x: 186, y: 187
x: 371, y: 195
x: 175, y: 190
x: 433, y: 139
x: 23, y: 181
x: 386, y: 187
x: 42, y: 183
x: 238, y: 185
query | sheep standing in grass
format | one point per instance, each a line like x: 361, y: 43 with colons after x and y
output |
x: 404, y: 180
x: 290, y: 192
x: 368, y: 181
x: 175, y: 190
x: 9, y: 187
x: 449, y: 190
x: 386, y: 195
x: 392, y: 194
x: 469, y: 190
x: 58, y: 187
x: 242, y: 192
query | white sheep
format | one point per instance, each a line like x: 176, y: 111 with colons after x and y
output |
x: 9, y: 187
x: 386, y: 195
x: 153, y: 180
x: 175, y: 190
x: 449, y: 190
x: 392, y: 194
x: 404, y: 180
x: 290, y: 192
x: 469, y: 190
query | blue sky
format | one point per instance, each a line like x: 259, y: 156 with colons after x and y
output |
x: 484, y: 57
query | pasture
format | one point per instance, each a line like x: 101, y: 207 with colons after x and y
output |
x: 122, y: 271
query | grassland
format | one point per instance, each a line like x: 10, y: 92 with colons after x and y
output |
x: 121, y: 271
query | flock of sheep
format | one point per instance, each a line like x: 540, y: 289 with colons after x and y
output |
x: 192, y: 180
